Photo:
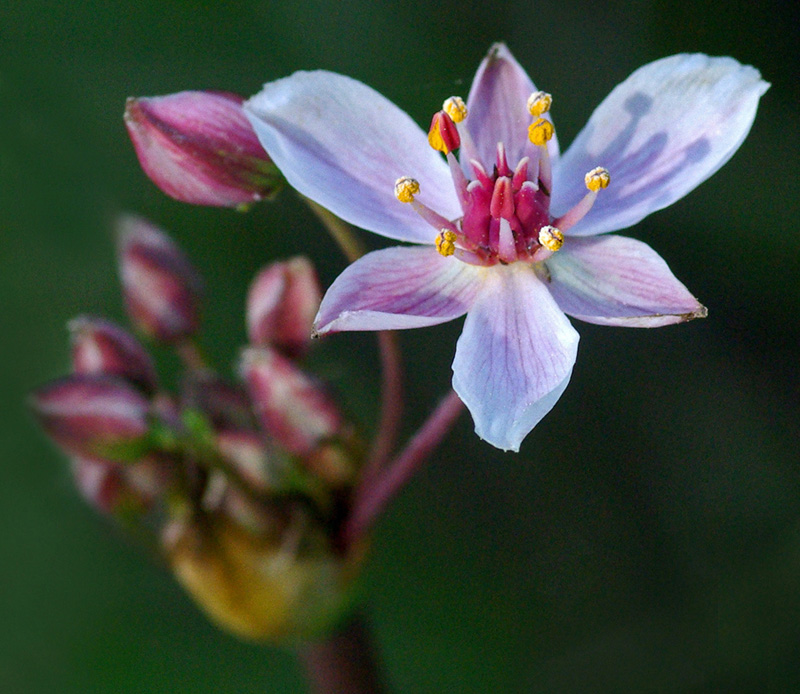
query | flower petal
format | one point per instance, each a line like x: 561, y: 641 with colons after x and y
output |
x: 660, y: 133
x: 515, y: 356
x: 498, y: 111
x: 614, y: 280
x: 398, y: 288
x: 343, y: 145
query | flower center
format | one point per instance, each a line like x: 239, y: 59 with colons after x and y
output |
x: 506, y: 213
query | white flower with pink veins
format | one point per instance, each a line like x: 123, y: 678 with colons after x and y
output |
x: 510, y: 230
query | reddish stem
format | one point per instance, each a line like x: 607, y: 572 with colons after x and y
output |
x: 373, y: 498
x: 344, y: 663
x: 391, y: 406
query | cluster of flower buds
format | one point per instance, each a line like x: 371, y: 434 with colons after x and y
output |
x: 199, y: 147
x: 245, y: 484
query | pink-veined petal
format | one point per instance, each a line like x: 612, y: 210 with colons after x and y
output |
x: 515, y: 356
x: 660, y: 133
x: 498, y: 111
x: 399, y: 288
x: 342, y: 144
x: 614, y: 280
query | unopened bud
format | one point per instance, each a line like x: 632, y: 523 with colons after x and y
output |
x: 118, y: 490
x: 94, y: 416
x: 102, y: 347
x: 281, y: 306
x: 200, y: 148
x: 336, y: 464
x: 225, y: 405
x: 162, y: 290
x: 248, y: 454
x: 257, y: 588
x: 293, y: 407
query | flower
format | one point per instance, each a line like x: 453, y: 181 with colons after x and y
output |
x: 510, y: 234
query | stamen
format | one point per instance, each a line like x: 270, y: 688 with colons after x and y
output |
x: 597, y: 178
x: 540, y: 132
x: 433, y: 218
x: 443, y: 135
x: 455, y: 108
x: 405, y: 188
x: 473, y: 258
x: 539, y: 103
x: 446, y: 242
x: 545, y: 174
x: 551, y: 238
x: 460, y: 181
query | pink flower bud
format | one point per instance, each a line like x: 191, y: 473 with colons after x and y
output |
x: 246, y: 452
x: 281, y: 305
x: 113, y: 488
x: 292, y: 406
x: 226, y: 405
x: 99, y: 483
x: 199, y: 147
x: 94, y: 416
x: 102, y: 347
x: 162, y: 290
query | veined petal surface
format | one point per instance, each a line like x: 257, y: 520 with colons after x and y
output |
x: 498, y: 111
x: 660, y: 133
x: 515, y: 356
x: 342, y: 144
x: 399, y: 288
x: 614, y: 280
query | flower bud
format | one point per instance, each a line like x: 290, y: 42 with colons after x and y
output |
x: 292, y: 406
x: 102, y: 347
x: 249, y: 511
x: 116, y: 489
x: 200, y: 148
x: 162, y: 290
x: 225, y: 405
x: 281, y: 305
x: 335, y: 463
x: 258, y: 588
x: 249, y: 455
x: 94, y: 416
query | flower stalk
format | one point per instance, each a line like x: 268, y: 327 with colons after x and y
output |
x: 373, y: 498
x: 343, y: 663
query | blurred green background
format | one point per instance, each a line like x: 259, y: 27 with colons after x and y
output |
x: 646, y: 539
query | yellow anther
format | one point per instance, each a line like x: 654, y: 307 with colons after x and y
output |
x: 405, y: 188
x: 540, y: 132
x: 455, y: 108
x: 446, y: 242
x: 597, y: 178
x: 436, y: 141
x: 551, y: 238
x: 539, y: 103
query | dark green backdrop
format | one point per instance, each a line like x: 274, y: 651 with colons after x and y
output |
x: 646, y: 539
